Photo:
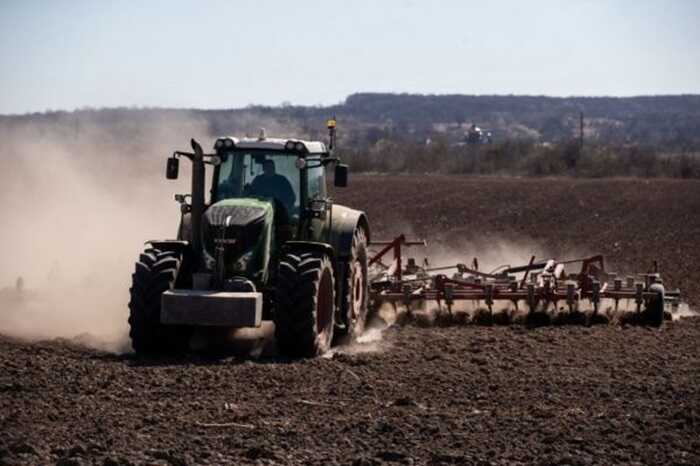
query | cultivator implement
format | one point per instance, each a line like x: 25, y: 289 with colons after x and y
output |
x: 570, y: 288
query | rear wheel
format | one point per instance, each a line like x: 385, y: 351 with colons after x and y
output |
x: 156, y: 272
x: 354, y: 300
x: 305, y: 304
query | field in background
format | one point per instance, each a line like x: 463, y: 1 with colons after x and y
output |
x: 524, y: 158
x: 630, y: 221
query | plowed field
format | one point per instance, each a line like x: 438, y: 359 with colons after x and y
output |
x: 605, y: 394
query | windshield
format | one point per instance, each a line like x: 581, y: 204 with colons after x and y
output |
x: 258, y: 173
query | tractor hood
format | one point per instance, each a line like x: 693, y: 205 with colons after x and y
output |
x: 245, y: 225
x: 238, y: 212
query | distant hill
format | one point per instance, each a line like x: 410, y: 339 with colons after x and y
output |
x: 653, y: 120
x: 665, y: 122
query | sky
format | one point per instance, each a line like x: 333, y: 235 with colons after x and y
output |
x: 63, y: 55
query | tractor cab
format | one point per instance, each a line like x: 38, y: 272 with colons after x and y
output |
x: 289, y: 173
x: 265, y: 192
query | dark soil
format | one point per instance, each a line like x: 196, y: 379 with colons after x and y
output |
x: 466, y: 394
x: 456, y: 395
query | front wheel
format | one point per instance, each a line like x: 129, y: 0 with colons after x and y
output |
x: 156, y: 272
x: 305, y: 304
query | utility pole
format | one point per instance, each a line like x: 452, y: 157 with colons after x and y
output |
x: 580, y: 135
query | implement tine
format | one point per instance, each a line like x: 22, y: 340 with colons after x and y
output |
x: 527, y: 272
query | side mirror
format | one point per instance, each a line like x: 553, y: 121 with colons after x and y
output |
x: 172, y: 169
x: 341, y: 175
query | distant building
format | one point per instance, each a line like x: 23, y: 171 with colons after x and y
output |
x: 476, y: 135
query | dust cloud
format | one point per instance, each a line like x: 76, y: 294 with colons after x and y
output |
x: 493, y: 255
x: 77, y: 207
x: 80, y: 192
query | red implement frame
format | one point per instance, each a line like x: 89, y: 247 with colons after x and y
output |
x: 394, y: 245
x: 590, y: 283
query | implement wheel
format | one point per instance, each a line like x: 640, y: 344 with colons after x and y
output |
x: 654, y: 311
x: 305, y: 304
x: 354, y: 300
x: 156, y: 272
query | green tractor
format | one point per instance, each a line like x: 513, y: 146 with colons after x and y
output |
x: 269, y: 244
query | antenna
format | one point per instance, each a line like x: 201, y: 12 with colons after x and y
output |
x: 330, y: 124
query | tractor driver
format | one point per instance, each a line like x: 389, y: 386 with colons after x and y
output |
x: 270, y: 184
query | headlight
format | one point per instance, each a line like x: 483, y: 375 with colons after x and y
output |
x: 242, y: 263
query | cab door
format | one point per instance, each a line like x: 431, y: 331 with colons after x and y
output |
x: 319, y: 204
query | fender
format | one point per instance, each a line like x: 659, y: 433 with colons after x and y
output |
x: 291, y: 246
x: 345, y: 221
x: 181, y: 247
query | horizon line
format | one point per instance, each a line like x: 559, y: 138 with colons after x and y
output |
x: 284, y: 105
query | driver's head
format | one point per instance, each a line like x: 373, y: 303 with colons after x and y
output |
x: 268, y: 167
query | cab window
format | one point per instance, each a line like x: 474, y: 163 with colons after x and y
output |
x: 260, y: 174
x: 316, y: 179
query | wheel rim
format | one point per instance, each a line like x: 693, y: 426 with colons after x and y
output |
x: 324, y: 309
x: 358, y: 291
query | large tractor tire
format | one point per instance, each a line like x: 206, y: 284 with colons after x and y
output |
x: 156, y: 272
x: 304, y: 304
x: 354, y: 301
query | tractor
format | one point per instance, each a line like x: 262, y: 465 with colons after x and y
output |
x: 267, y: 244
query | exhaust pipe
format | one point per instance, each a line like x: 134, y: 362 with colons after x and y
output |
x: 197, y: 201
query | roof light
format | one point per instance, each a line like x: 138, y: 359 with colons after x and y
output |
x: 228, y: 143
x: 299, y: 146
x: 289, y: 145
x: 219, y: 144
